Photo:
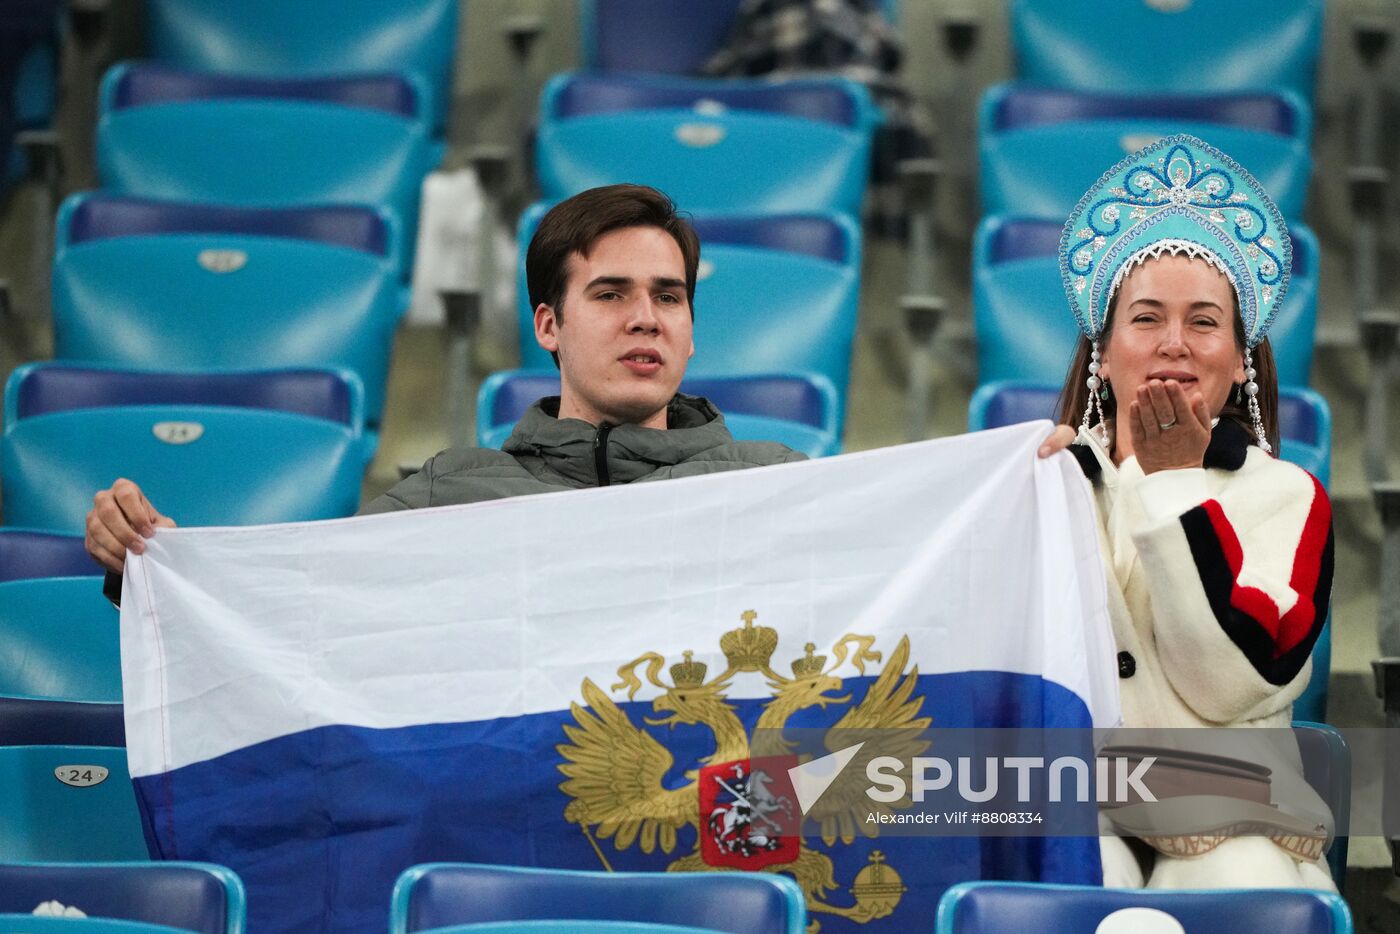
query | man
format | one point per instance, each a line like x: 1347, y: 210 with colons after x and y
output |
x: 611, y: 275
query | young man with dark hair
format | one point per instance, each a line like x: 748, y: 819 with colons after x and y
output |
x: 611, y: 275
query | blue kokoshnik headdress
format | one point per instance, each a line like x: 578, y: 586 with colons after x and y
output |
x: 1179, y: 196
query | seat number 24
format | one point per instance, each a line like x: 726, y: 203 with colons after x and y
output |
x: 81, y: 776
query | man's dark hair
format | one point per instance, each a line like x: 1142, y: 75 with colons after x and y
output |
x: 573, y: 226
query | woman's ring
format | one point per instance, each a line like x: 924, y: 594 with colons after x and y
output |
x: 1167, y: 426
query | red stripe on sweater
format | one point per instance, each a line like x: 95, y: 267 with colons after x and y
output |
x: 1292, y: 627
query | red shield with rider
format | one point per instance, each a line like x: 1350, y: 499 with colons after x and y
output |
x: 749, y: 816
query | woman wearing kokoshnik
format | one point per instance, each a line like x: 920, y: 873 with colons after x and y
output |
x: 1218, y: 556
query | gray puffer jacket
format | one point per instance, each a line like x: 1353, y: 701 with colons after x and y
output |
x: 546, y: 454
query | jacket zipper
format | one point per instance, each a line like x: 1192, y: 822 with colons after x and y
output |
x: 600, y: 453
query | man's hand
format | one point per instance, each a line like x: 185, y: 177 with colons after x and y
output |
x: 1059, y: 439
x: 120, y: 521
x: 1170, y: 430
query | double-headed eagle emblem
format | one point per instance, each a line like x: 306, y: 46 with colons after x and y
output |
x: 615, y: 771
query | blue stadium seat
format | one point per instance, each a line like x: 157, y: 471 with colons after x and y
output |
x: 674, y: 37
x: 44, y: 817
x: 60, y: 667
x: 798, y: 410
x: 1305, y: 432
x: 775, y: 295
x: 197, y: 897
x: 442, y: 894
x: 264, y: 142
x: 203, y: 464
x: 1327, y: 768
x: 61, y: 727
x: 1168, y: 45
x: 30, y: 553
x: 997, y: 907
x: 742, y: 146
x: 275, y: 39
x: 1025, y: 330
x: 58, y: 640
x: 1041, y: 149
x: 183, y: 286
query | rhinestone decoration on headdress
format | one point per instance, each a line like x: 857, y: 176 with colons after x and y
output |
x: 1177, y: 196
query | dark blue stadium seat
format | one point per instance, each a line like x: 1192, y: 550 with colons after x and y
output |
x: 809, y: 235
x: 39, y: 721
x: 1022, y: 238
x: 42, y: 388
x: 99, y: 216
x: 1040, y: 149
x: 1010, y: 402
x: 147, y: 84
x: 30, y: 553
x: 273, y: 38
x: 660, y: 36
x: 196, y: 897
x: 1308, y: 417
x: 1029, y: 106
x: 1327, y: 768
x: 1168, y: 45
x: 1025, y: 331
x: 799, y: 410
x: 740, y: 146
x: 998, y: 907
x: 588, y: 95
x: 437, y: 895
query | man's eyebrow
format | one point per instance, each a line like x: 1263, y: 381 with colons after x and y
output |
x: 610, y: 280
x: 658, y: 282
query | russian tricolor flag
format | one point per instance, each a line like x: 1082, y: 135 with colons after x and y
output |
x: 574, y: 679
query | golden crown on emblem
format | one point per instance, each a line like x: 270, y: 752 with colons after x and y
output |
x: 688, y: 674
x: 750, y: 647
x: 809, y: 666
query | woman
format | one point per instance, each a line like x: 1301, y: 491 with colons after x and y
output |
x: 1218, y: 556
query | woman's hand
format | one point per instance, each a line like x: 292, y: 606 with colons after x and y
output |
x: 1170, y: 430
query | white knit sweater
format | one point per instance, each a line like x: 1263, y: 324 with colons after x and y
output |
x: 1218, y: 581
